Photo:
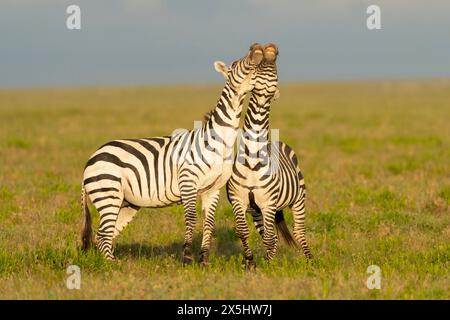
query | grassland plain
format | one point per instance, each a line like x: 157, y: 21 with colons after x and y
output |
x: 376, y: 157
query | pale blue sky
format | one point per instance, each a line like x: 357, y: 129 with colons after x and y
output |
x: 176, y: 41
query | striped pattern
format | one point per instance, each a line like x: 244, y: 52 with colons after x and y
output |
x: 125, y: 175
x: 266, y: 177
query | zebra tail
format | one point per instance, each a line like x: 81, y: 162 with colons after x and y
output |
x: 283, y: 229
x: 86, y: 229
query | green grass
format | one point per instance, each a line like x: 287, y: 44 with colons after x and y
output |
x: 375, y: 155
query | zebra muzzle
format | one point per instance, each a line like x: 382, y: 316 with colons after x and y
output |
x: 270, y: 52
x: 256, y: 53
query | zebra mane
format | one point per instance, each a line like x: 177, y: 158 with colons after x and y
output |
x: 208, y: 115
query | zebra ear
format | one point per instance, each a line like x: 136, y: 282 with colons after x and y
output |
x: 221, y: 68
x: 276, y: 95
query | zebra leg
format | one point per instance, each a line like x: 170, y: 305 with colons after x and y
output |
x: 243, y: 233
x: 270, y: 239
x: 105, y: 233
x: 189, y: 199
x: 126, y: 214
x: 257, y: 220
x: 209, y: 204
x: 298, y: 211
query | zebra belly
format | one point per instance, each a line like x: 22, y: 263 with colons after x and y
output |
x: 164, y: 197
x: 262, y: 195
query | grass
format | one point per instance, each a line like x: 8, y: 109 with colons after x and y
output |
x: 375, y: 155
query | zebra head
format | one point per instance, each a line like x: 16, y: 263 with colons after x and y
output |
x: 241, y: 75
x: 266, y: 86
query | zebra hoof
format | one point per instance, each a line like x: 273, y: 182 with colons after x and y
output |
x: 204, y: 260
x: 187, y: 260
x: 250, y: 266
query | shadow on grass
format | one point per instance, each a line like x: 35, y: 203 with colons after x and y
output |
x: 225, y: 244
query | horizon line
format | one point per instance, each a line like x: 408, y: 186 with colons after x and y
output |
x: 216, y: 83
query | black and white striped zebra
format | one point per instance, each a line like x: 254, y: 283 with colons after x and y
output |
x: 125, y: 175
x: 266, y: 177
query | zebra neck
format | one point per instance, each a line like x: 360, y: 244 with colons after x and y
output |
x: 255, y: 138
x: 222, y: 126
x: 256, y: 122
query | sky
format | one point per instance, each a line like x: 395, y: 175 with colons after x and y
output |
x: 176, y: 41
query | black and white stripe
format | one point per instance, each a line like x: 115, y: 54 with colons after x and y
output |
x: 125, y: 175
x: 266, y: 177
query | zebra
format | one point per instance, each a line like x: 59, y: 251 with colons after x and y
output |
x: 266, y: 177
x: 125, y: 175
